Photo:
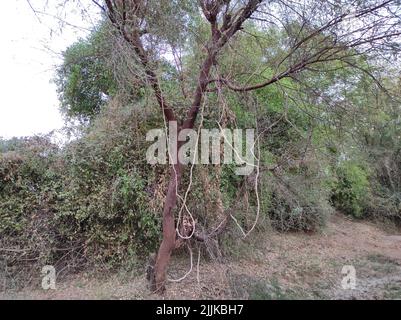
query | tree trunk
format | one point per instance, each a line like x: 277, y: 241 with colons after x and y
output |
x: 220, y: 35
x: 168, y: 243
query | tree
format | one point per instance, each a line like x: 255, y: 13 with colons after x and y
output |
x: 317, y: 32
x: 85, y: 80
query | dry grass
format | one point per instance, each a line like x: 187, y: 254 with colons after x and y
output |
x: 277, y: 266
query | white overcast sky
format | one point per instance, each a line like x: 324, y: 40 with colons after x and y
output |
x: 28, y: 100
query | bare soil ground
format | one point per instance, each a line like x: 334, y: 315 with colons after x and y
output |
x: 277, y: 266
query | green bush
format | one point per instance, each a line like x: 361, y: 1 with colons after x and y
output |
x: 350, y: 190
x: 89, y: 203
x: 385, y: 202
x: 108, y: 188
x: 28, y: 182
x: 299, y: 202
x: 30, y: 237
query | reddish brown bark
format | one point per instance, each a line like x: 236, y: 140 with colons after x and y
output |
x: 169, y: 234
x: 219, y: 37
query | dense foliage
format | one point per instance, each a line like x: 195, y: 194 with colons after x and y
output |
x: 85, y: 80
x: 328, y: 141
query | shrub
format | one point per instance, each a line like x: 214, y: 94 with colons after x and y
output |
x: 29, y: 235
x: 298, y: 203
x: 385, y: 202
x: 93, y: 202
x: 108, y: 190
x: 350, y: 190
